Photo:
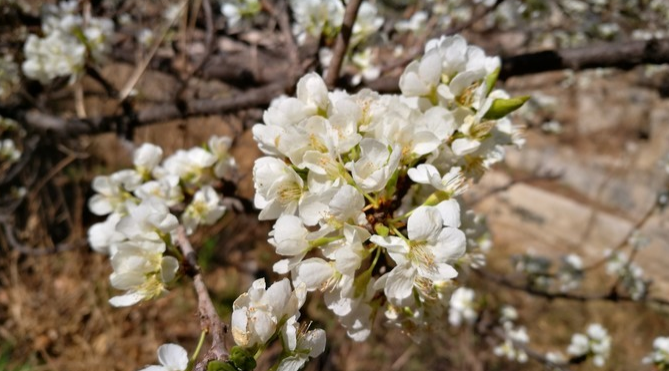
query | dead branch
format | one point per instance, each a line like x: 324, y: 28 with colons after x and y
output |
x: 341, y: 46
x: 210, y: 322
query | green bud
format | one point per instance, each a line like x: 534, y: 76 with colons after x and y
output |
x: 502, y: 107
x: 491, y: 80
x: 241, y: 358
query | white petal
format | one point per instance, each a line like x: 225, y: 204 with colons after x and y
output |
x: 424, y: 224
x: 400, y: 282
x: 173, y: 357
x: 313, y: 272
x: 450, y: 212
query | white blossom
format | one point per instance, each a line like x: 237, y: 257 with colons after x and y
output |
x: 462, y: 307
x: 258, y: 312
x: 595, y: 343
x: 425, y: 258
x: 302, y: 345
x: 659, y: 357
x: 204, y: 209
x: 172, y: 357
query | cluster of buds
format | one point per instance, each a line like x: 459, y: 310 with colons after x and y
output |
x: 364, y: 187
x: 69, y: 41
x: 140, y: 226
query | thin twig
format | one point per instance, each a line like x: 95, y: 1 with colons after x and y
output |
x: 341, y: 45
x: 141, y: 68
x: 209, y: 318
x: 611, y: 296
x: 36, y: 251
x: 625, y: 240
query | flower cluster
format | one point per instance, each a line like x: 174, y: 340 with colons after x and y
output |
x: 235, y: 10
x: 140, y: 227
x: 595, y: 343
x: 537, y: 271
x: 462, y: 307
x: 67, y: 43
x: 660, y: 355
x: 515, y: 337
x: 363, y: 187
x: 316, y: 17
x: 630, y: 275
x: 261, y: 315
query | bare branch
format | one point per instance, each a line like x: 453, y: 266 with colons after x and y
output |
x: 622, y: 55
x: 341, y: 45
x: 160, y: 113
x: 209, y: 319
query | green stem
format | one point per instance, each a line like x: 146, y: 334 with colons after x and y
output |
x: 398, y: 233
x: 324, y: 241
x: 203, y: 335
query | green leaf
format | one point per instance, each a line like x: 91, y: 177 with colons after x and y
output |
x: 220, y: 366
x: 502, y: 107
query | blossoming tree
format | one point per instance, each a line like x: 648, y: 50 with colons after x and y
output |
x: 366, y: 185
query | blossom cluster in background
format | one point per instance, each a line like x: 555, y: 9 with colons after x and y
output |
x: 595, y: 343
x: 140, y: 226
x: 364, y: 187
x: 68, y: 41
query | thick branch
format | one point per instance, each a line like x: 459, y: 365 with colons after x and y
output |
x: 209, y: 319
x: 160, y: 113
x: 341, y: 46
x: 623, y: 55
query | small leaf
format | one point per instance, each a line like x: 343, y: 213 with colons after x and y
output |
x: 220, y: 366
x: 502, y: 107
x: 242, y: 359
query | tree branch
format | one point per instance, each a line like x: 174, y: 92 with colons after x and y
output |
x: 209, y: 319
x: 624, y: 55
x: 611, y: 296
x: 341, y: 46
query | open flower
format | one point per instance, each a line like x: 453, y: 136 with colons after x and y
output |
x: 425, y: 258
x: 257, y: 313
